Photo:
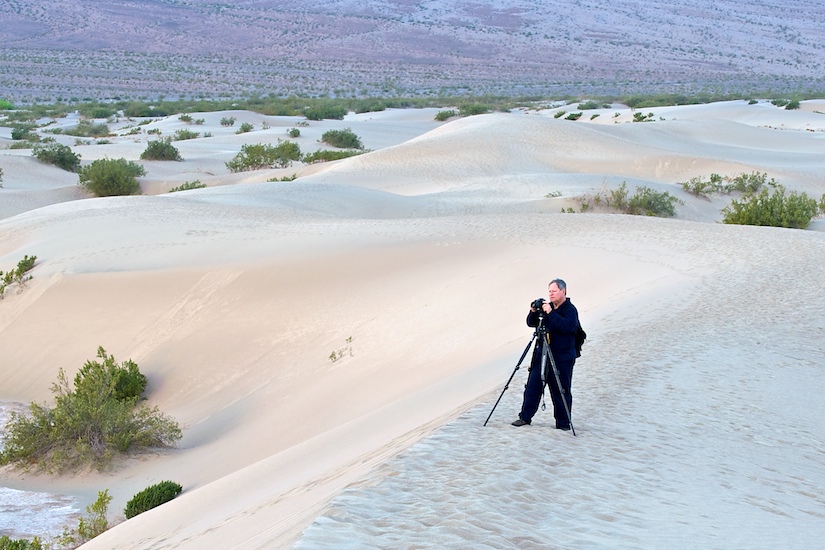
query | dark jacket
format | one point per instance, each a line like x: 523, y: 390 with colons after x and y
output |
x: 561, y: 325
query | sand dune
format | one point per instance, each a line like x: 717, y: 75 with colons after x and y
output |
x: 695, y: 401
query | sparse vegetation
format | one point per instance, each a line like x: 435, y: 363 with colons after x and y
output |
x: 293, y: 132
x: 151, y: 497
x: 644, y: 202
x: 18, y: 276
x: 89, y: 526
x: 59, y: 155
x: 188, y: 186
x: 470, y: 109
x: 228, y: 121
x: 344, y: 139
x: 340, y: 353
x: 111, y: 177
x: 90, y: 423
x: 87, y: 128
x: 184, y: 134
x: 7, y: 543
x: 245, y: 127
x: 325, y: 155
x: 441, y: 116
x: 743, y: 183
x: 161, y: 149
x: 259, y: 156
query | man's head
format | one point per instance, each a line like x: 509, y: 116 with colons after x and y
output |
x: 557, y: 289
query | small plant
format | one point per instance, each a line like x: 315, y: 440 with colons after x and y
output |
x: 185, y: 118
x: 23, y: 132
x: 20, y: 544
x: 86, y: 128
x: 245, y: 127
x: 156, y: 131
x: 181, y: 135
x: 228, y: 121
x: 89, y: 526
x: 700, y: 188
x: 471, y: 109
x: 18, y: 276
x: 58, y: 155
x: 639, y: 117
x: 645, y: 201
x: 573, y: 116
x: 340, y: 353
x: 344, y: 139
x: 152, y: 497
x: 559, y: 114
x: 161, y: 149
x: 188, y: 186
x: 111, y: 177
x: 259, y: 156
x: 594, y: 115
x: 553, y: 194
x: 441, y: 116
x: 293, y: 132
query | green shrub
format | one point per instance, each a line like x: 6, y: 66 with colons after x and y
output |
x: 700, y: 188
x: 230, y: 121
x: 645, y: 201
x: 323, y: 111
x: 89, y: 526
x: 441, y: 116
x: 772, y: 209
x: 573, y: 116
x: 792, y: 105
x: 188, y: 185
x: 20, y: 544
x: 181, y: 135
x: 185, y: 118
x: 344, y: 139
x: 151, y: 497
x: 86, y: 128
x: 471, y: 109
x: 259, y: 156
x: 294, y: 132
x: 5, y: 105
x: 325, y: 155
x: 161, y: 149
x: 245, y: 127
x: 559, y: 114
x: 23, y: 132
x: 639, y: 117
x: 89, y: 424
x: 18, y: 275
x: 748, y: 183
x: 111, y: 177
x: 57, y: 154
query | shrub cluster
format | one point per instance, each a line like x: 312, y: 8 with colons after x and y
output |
x: 111, y: 177
x: 441, y: 116
x: 161, y: 149
x: 344, y: 139
x: 228, y: 121
x: 259, y: 156
x: 324, y: 155
x: 716, y: 184
x: 7, y: 543
x: 151, y: 497
x: 86, y: 128
x: 89, y: 526
x: 89, y: 423
x: 18, y: 275
x: 325, y: 110
x: 470, y: 109
x: 181, y: 135
x: 645, y: 201
x: 61, y: 156
x: 245, y: 127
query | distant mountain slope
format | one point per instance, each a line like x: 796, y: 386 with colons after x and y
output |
x: 183, y: 47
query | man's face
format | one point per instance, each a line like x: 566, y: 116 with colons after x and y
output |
x: 557, y: 296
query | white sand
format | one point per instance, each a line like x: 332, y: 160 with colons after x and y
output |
x: 696, y: 402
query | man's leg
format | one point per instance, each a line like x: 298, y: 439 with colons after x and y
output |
x: 532, y: 394
x: 565, y: 369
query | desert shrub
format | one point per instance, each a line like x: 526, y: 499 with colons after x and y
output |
x: 60, y: 155
x: 645, y: 201
x: 18, y: 276
x: 698, y: 187
x: 161, y: 149
x: 792, y: 105
x: 184, y: 134
x: 111, y: 177
x: 7, y: 543
x: 748, y: 183
x: 5, y: 105
x: 258, y: 156
x: 245, y: 127
x: 559, y: 114
x: 86, y: 128
x: 325, y: 155
x: 589, y: 105
x: 185, y: 118
x: 344, y: 139
x: 1, y: 174
x: 89, y: 423
x: 639, y: 117
x: 228, y: 121
x: 294, y: 132
x: 323, y: 111
x: 471, y: 109
x: 441, y: 116
x: 188, y: 185
x: 151, y: 497
x: 775, y: 209
x: 780, y: 102
x: 23, y: 132
x: 743, y: 183
x: 89, y: 526
x: 573, y: 116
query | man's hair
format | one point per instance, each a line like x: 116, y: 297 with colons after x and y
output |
x: 559, y: 283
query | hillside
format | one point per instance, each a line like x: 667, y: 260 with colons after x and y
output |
x: 67, y: 48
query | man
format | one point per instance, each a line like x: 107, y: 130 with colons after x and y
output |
x: 560, y: 320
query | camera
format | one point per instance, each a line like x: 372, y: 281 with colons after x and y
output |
x: 537, y: 303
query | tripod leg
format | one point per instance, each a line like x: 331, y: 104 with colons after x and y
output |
x: 507, y: 385
x: 549, y: 355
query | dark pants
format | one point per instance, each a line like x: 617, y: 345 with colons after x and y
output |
x: 534, y: 390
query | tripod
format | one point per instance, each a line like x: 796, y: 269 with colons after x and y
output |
x: 543, y: 339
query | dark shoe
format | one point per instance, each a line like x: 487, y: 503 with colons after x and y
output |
x: 520, y: 422
x: 564, y: 428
